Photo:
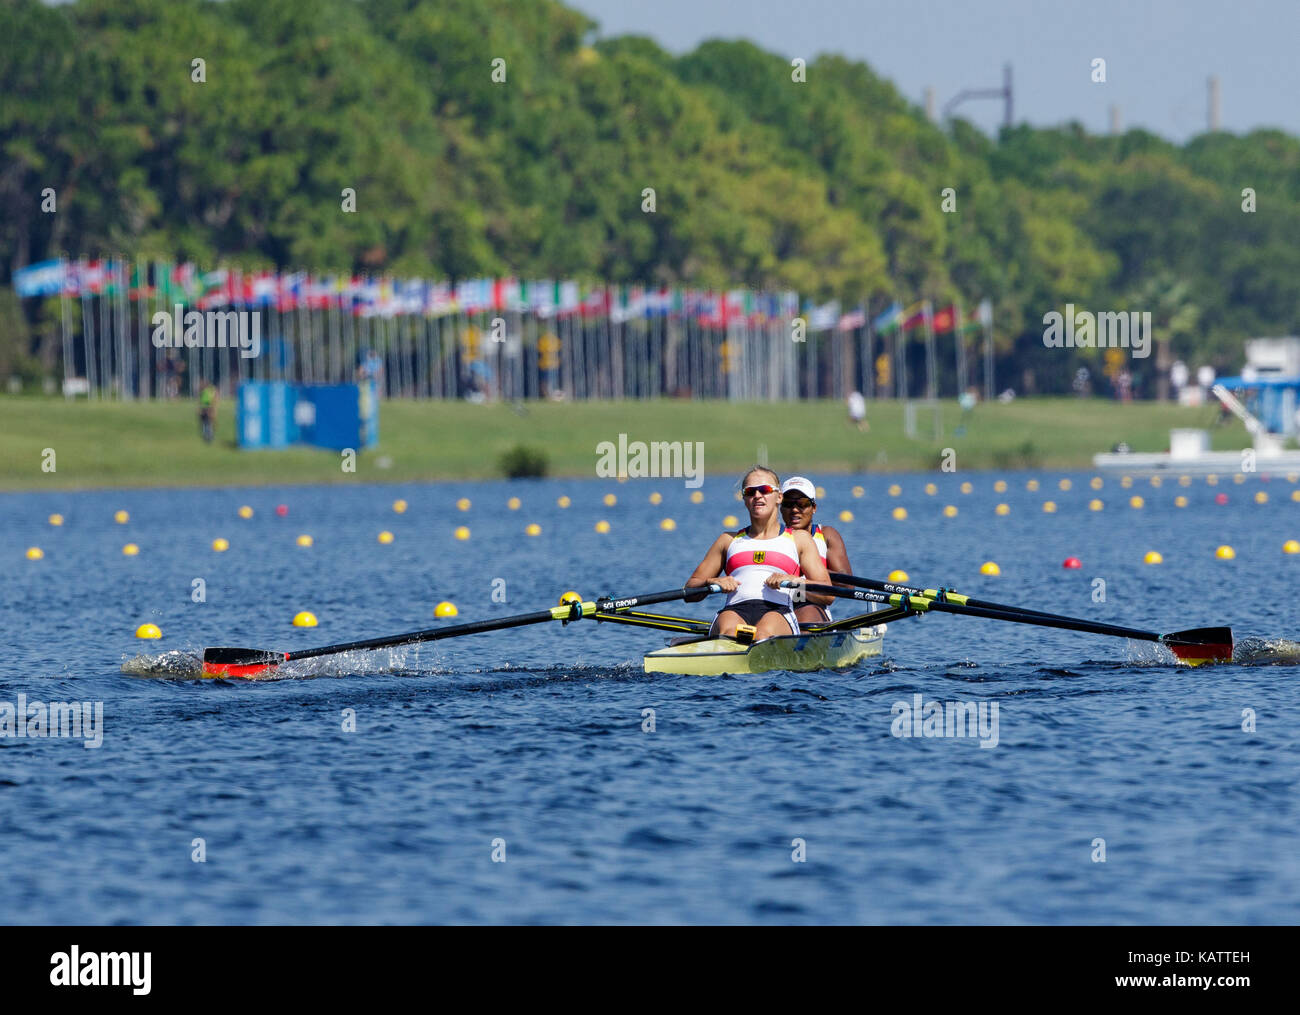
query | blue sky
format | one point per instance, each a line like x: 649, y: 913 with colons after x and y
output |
x: 1159, y: 53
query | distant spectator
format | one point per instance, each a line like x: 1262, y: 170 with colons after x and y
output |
x: 858, y: 411
x: 207, y: 411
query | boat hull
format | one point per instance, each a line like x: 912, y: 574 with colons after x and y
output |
x: 797, y: 652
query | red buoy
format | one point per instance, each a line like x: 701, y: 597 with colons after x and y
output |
x: 1220, y: 498
x: 282, y: 509
x: 1072, y: 563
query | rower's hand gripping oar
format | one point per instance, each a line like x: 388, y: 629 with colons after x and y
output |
x: 247, y: 662
x: 1200, y: 645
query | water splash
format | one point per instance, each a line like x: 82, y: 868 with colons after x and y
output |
x: 1266, y: 652
x: 174, y: 665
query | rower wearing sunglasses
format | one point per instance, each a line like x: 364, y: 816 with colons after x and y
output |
x: 799, y: 510
x: 752, y: 563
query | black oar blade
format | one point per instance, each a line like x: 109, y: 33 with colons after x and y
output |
x: 1200, y: 645
x: 239, y: 662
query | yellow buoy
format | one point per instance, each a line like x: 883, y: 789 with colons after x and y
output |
x: 121, y: 517
x: 514, y: 503
x: 1032, y: 485
x: 602, y: 527
x: 1295, y: 494
x: 1002, y: 509
x: 730, y: 522
x: 656, y: 498
x: 1180, y: 501
x: 563, y: 502
x: 386, y: 537
x: 857, y: 491
x: 245, y: 512
x: 130, y: 550
x: 221, y: 545
x: 462, y: 504
x: 304, y: 540
x: 1156, y: 481
x: 846, y: 516
x: 1291, y: 477
x: 966, y: 488
x: 949, y: 511
x: 1184, y: 480
x: 1153, y: 557
x: 1095, y: 504
x: 1261, y: 497
x: 820, y: 491
x: 668, y: 525
x: 446, y: 609
x: 304, y: 619
x: 1096, y: 482
x: 399, y: 506
x: 1126, y: 482
x: 1225, y: 552
x: 1211, y: 480
x: 532, y: 529
x: 609, y: 500
x: 899, y: 513
x: 1136, y: 502
x: 570, y: 597
x: 56, y: 519
x: 738, y: 496
x: 931, y: 489
x: 1064, y: 484
x: 1000, y: 486
x: 898, y: 575
x: 148, y: 631
x: 1049, y: 507
x: 35, y: 553
x: 1239, y: 479
x: 697, y: 497
x: 895, y: 490
x: 462, y: 532
x: 990, y: 568
x: 1291, y: 546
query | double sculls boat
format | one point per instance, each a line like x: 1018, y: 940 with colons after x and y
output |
x: 830, y: 645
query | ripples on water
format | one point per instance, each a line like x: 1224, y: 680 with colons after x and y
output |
x: 538, y: 736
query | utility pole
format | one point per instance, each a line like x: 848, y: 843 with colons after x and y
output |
x: 1005, y: 93
x: 1213, y: 117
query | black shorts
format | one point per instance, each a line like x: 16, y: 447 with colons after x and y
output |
x: 753, y: 610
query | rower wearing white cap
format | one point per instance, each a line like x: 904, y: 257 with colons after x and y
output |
x: 798, y: 510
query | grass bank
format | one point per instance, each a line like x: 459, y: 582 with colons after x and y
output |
x: 112, y: 444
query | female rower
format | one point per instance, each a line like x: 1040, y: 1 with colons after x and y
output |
x: 798, y: 509
x: 752, y: 563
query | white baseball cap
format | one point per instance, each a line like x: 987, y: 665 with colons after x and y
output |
x: 802, y: 485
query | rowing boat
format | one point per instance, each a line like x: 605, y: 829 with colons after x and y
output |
x: 710, y: 657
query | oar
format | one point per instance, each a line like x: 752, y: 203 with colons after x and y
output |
x: 1200, y: 645
x: 247, y: 662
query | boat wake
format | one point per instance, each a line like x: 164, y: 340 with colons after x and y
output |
x: 1266, y: 652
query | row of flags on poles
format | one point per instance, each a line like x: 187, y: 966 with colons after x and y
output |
x: 383, y: 296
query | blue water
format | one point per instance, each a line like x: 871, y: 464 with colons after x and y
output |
x: 535, y: 736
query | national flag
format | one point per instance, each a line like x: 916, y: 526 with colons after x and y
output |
x: 914, y: 315
x: 823, y: 317
x: 856, y: 318
x: 47, y: 278
x: 945, y: 320
x: 888, y: 320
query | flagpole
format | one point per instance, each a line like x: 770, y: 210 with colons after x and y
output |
x: 986, y: 318
x: 931, y: 364
x: 960, y: 335
x: 68, y: 365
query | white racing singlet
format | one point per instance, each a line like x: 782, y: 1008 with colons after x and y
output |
x: 750, y: 561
